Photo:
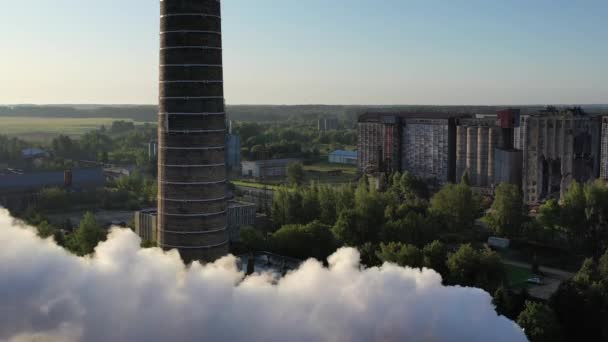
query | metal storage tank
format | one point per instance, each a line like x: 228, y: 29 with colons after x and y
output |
x: 472, y: 153
x: 461, y: 151
x: 482, y: 155
x: 493, y: 144
x: 192, y: 129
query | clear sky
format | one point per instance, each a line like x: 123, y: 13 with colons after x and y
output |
x: 318, y: 51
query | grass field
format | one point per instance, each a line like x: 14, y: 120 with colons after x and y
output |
x: 517, y: 276
x: 253, y: 184
x: 324, y: 167
x: 43, y: 129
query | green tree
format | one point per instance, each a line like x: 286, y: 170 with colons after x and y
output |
x: 596, y: 214
x: 295, y: 174
x: 549, y: 215
x: 369, y: 256
x: 456, y: 206
x: 414, y: 228
x: 401, y: 254
x: 287, y: 207
x: 509, y: 304
x: 573, y: 216
x: 540, y: 323
x: 252, y: 239
x: 311, y: 209
x: 506, y: 214
x: 327, y: 198
x: 53, y: 199
x: 580, y: 304
x: 465, y: 178
x: 349, y: 230
x: 86, y: 237
x: 313, y: 240
x: 435, y: 257
x: 45, y: 229
x: 469, y: 267
x: 148, y: 244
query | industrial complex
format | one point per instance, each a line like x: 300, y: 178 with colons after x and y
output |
x: 541, y: 152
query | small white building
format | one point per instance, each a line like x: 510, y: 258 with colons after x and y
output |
x: 274, y: 168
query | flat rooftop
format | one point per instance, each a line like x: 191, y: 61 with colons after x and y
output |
x: 377, y: 116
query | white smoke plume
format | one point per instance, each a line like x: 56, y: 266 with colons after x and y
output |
x: 124, y: 293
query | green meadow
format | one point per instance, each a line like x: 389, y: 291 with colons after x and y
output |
x: 44, y: 129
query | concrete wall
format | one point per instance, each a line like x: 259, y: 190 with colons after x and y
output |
x: 240, y: 215
x: 558, y: 148
x: 146, y: 225
x: 507, y: 166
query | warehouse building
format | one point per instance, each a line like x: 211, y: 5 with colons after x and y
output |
x: 239, y: 214
x: 19, y: 190
x: 265, y: 169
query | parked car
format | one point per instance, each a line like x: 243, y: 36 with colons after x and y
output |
x: 535, y: 280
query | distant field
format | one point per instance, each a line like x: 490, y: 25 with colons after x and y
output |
x: 42, y: 129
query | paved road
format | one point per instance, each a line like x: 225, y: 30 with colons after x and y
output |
x: 552, y: 278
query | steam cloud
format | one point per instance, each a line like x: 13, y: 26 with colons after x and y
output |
x: 125, y: 293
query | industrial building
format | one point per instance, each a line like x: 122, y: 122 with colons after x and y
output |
x: 484, y: 149
x: 343, y: 157
x: 145, y: 224
x: 240, y: 214
x: 543, y: 153
x: 18, y: 190
x: 192, y: 131
x: 264, y: 169
x: 559, y: 146
x: 421, y: 143
x: 441, y: 147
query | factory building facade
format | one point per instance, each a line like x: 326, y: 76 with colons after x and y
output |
x: 427, y: 149
x: 192, y: 131
x: 265, y: 169
x: 558, y: 147
x: 422, y: 144
x: 476, y: 140
x: 542, y: 153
